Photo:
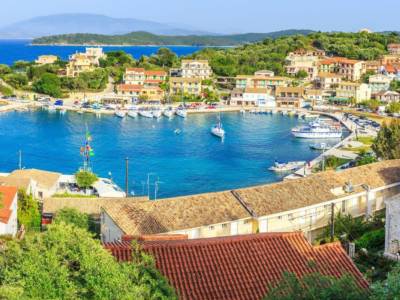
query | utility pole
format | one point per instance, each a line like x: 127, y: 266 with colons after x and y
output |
x: 332, y: 225
x: 126, y: 177
x: 20, y: 160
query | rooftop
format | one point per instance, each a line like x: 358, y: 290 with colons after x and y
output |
x: 44, y: 179
x: 240, y: 267
x: 168, y: 215
x: 7, y: 195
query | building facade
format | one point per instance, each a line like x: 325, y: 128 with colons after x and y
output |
x: 379, y: 83
x: 46, y: 59
x: 351, y: 90
x: 196, y: 69
x: 185, y: 85
x: 348, y: 69
x: 394, y: 49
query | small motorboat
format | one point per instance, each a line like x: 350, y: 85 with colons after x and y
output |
x: 146, y: 114
x: 120, y: 113
x: 177, y: 131
x: 217, y: 129
x: 287, y: 167
x: 169, y: 113
x: 157, y: 114
x: 132, y: 113
x: 320, y: 146
x: 181, y: 113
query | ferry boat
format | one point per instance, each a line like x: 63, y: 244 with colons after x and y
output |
x: 181, y: 113
x: 120, y: 113
x: 146, y: 114
x: 318, y: 130
x: 132, y: 113
x: 286, y: 167
x: 217, y: 129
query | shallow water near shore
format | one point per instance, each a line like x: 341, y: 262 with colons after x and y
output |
x: 191, y: 162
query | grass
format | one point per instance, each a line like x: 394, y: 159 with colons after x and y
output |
x: 367, y: 140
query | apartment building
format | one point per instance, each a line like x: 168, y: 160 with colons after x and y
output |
x: 303, y: 60
x: 84, y: 62
x: 185, y: 85
x: 257, y: 81
x: 289, y: 97
x: 140, y: 76
x: 46, y: 59
x: 353, y: 90
x: 348, y: 69
x: 260, y: 97
x: 394, y: 49
x: 328, y: 81
x: 379, y: 83
x: 195, y: 69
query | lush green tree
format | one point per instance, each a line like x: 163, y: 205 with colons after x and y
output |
x: 37, y: 71
x: 301, y: 74
x: 395, y: 85
x: 96, y: 80
x: 48, y: 84
x: 5, y: 90
x: 388, y: 289
x: 387, y: 143
x: 16, y: 80
x: 21, y: 65
x: 72, y: 216
x: 65, y: 262
x: 365, y: 77
x: 371, y: 104
x: 117, y: 58
x: 393, y: 107
x: 316, y: 286
x: 4, y: 69
x: 164, y: 57
x: 28, y: 211
x: 85, y: 179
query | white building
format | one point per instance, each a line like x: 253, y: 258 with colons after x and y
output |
x: 196, y: 69
x: 252, y: 97
x: 379, y: 83
x: 8, y: 210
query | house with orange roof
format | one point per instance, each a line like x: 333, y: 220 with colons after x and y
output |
x: 8, y: 210
x: 348, y: 69
x: 394, y: 49
x: 243, y: 267
x: 304, y: 60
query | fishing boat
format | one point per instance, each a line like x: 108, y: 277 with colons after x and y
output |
x: 169, y: 113
x: 132, y: 113
x: 157, y: 114
x: 217, y: 129
x: 287, y: 167
x: 120, y: 113
x: 181, y: 113
x: 146, y: 114
x: 320, y: 146
x: 318, y: 130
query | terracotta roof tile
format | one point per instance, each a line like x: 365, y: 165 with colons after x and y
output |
x: 240, y: 267
x: 7, y: 195
x: 155, y: 73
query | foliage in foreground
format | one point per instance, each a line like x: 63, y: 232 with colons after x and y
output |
x: 73, y: 217
x: 28, y: 211
x: 316, y: 286
x: 387, y: 143
x: 65, y: 262
x: 389, y: 288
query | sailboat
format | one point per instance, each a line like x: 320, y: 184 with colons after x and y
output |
x: 217, y: 129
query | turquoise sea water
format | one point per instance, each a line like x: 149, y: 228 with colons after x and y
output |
x: 13, y: 50
x: 191, y: 162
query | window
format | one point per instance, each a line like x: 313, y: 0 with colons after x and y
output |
x: 224, y: 225
x: 246, y: 222
x: 343, y: 206
x: 210, y: 227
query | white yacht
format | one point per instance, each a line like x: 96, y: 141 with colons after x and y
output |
x: 132, y: 113
x: 146, y: 114
x: 286, y: 167
x: 217, y: 129
x: 169, y: 113
x: 320, y: 146
x: 318, y: 130
x: 120, y: 113
x: 181, y: 113
x: 157, y: 114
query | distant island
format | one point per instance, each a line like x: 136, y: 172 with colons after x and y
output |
x: 146, y: 38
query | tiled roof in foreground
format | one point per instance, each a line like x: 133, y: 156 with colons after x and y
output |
x: 240, y: 267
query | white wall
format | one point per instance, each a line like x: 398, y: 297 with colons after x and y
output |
x: 11, y: 227
x: 110, y: 232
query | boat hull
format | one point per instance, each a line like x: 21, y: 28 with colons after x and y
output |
x: 317, y: 135
x: 181, y: 113
x: 146, y: 114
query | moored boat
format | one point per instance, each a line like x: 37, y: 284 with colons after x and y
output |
x: 120, y: 113
x: 146, y: 114
x: 320, y: 146
x: 217, y: 129
x: 132, y: 113
x: 181, y: 113
x: 169, y: 113
x: 157, y: 114
x: 286, y: 167
x: 318, y: 130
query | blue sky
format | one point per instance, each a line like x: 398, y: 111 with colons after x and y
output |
x: 226, y: 15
